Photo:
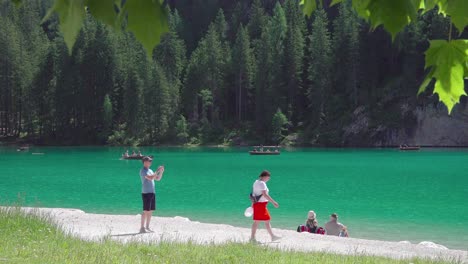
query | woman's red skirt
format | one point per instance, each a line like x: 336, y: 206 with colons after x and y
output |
x: 261, y: 212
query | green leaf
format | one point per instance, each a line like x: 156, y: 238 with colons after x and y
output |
x: 71, y: 15
x: 308, y: 6
x: 458, y: 12
x: 147, y: 19
x: 361, y: 8
x: 427, y: 80
x: 103, y: 10
x: 419, y: 4
x: 393, y: 15
x: 448, y: 60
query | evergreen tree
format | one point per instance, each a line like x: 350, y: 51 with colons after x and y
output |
x: 278, y: 124
x: 263, y: 81
x: 43, y: 88
x: 181, y: 130
x: 220, y: 25
x: 319, y: 71
x: 293, y: 58
x: 207, y: 69
x: 176, y: 24
x: 243, y: 67
x: 158, y: 105
x: 107, y: 116
x: 346, y: 40
x: 277, y: 37
x: 10, y: 76
x: 170, y: 54
x: 257, y: 21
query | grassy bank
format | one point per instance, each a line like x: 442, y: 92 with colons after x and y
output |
x: 33, y: 239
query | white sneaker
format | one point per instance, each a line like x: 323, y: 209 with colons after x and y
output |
x: 275, y: 238
x: 253, y: 241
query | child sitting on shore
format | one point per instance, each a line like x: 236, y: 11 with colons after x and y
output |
x: 344, y: 232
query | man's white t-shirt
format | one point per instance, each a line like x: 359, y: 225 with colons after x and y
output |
x: 258, y: 188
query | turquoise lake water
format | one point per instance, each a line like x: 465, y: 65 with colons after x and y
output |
x: 378, y: 193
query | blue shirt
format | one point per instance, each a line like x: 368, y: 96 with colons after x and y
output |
x: 147, y: 186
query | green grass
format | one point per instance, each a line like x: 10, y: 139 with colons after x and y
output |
x: 26, y: 238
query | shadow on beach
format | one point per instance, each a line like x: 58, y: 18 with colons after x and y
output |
x: 127, y: 234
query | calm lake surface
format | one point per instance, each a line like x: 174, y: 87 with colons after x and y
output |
x: 378, y: 193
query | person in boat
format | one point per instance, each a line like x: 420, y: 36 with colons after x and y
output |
x: 148, y: 193
x: 133, y: 153
x: 268, y: 150
x: 260, y: 197
x: 126, y: 153
x: 255, y: 150
x: 261, y: 148
x: 276, y: 150
x: 139, y: 153
x: 333, y: 227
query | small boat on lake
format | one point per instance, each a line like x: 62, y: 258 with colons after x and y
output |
x: 22, y: 148
x: 406, y: 147
x: 135, y: 157
x: 265, y: 150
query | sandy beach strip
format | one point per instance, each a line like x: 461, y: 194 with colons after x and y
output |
x: 125, y: 228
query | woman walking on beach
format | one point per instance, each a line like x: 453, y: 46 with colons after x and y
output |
x: 260, y: 198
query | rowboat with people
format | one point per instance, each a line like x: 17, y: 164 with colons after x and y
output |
x: 406, y: 147
x: 265, y: 150
x: 23, y: 148
x: 134, y: 155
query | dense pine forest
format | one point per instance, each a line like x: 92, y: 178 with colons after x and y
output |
x: 228, y: 72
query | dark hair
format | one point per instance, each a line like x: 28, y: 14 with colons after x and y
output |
x: 264, y: 173
x: 334, y: 215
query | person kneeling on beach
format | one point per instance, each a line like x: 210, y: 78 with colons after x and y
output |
x: 147, y: 192
x: 260, y: 198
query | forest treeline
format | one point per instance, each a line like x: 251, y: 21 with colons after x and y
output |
x: 229, y: 72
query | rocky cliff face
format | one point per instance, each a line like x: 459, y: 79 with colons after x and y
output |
x: 431, y: 126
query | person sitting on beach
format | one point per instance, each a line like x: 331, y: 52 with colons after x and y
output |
x: 260, y: 197
x: 309, y: 224
x: 333, y: 227
x: 344, y: 232
x: 311, y: 219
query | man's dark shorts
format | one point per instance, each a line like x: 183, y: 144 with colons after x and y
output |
x: 149, y: 201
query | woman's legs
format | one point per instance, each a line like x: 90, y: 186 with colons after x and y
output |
x: 268, y: 228
x: 254, y: 230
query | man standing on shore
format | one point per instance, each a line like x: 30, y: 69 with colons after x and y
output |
x: 147, y: 192
x: 333, y: 227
